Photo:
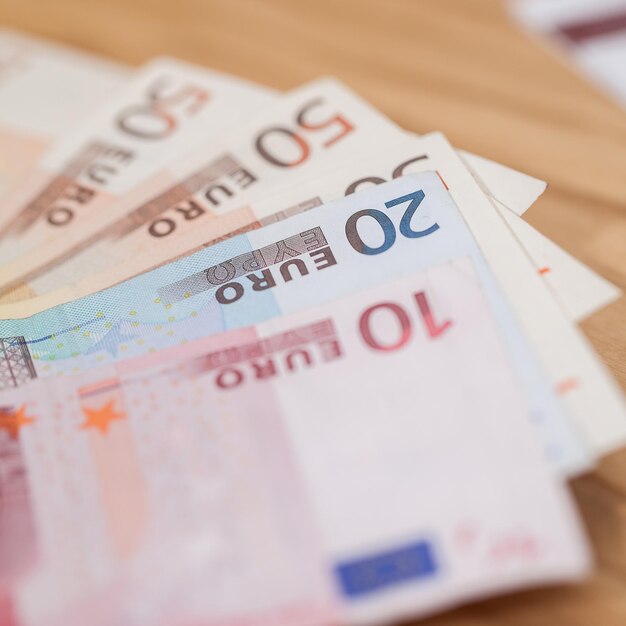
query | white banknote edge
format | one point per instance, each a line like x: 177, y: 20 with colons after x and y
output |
x: 514, y: 189
x: 580, y: 290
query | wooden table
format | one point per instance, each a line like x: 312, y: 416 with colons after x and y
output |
x: 460, y: 66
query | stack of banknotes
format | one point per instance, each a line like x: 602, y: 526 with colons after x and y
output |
x: 269, y: 359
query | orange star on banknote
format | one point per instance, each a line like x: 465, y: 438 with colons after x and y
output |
x: 102, y: 417
x: 12, y: 421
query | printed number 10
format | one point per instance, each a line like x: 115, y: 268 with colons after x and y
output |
x: 405, y: 328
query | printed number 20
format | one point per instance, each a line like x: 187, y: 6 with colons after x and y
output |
x: 384, y: 221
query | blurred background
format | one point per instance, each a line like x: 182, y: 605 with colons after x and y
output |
x: 471, y: 70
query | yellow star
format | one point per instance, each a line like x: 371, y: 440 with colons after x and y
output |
x: 102, y: 417
x: 12, y: 421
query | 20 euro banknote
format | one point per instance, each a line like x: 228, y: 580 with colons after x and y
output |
x: 311, y: 258
x: 580, y: 290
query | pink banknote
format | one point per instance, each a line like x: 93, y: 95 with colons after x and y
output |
x: 366, y: 460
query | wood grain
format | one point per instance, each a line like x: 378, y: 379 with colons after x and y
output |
x: 460, y: 66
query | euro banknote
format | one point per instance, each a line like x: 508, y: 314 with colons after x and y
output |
x: 166, y: 108
x: 304, y: 261
x: 45, y: 89
x: 311, y: 130
x: 321, y: 107
x: 580, y: 290
x: 571, y: 366
x: 314, y: 468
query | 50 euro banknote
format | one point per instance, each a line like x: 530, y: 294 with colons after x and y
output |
x: 354, y: 462
x: 45, y: 89
x: 315, y: 257
x: 165, y: 109
x: 310, y: 130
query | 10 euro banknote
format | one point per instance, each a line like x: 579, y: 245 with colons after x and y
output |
x: 314, y: 468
